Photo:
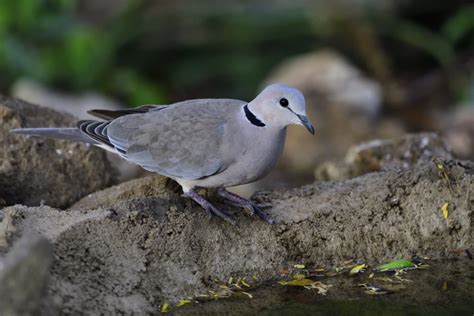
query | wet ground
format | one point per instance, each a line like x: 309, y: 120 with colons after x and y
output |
x: 442, y: 288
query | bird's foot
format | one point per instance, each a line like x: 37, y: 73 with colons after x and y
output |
x: 212, y: 210
x: 237, y: 200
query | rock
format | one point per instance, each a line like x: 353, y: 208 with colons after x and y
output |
x: 142, y: 188
x: 457, y: 128
x: 141, y: 246
x: 23, y: 276
x: 36, y: 170
x: 337, y: 129
x: 6, y: 228
x: 76, y: 105
x: 403, y: 152
x: 328, y: 74
x: 343, y: 106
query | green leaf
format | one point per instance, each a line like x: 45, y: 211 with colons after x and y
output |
x: 457, y: 26
x: 395, y: 265
x: 423, y: 38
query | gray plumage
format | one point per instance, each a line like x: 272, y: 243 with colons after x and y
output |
x: 199, y: 143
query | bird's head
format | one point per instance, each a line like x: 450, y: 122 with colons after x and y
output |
x: 279, y: 105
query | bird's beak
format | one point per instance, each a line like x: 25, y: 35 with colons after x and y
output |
x: 306, y: 123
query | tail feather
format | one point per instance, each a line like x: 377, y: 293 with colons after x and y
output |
x: 72, y: 133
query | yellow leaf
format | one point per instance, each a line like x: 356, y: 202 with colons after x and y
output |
x: 300, y: 282
x: 183, y: 302
x: 248, y: 294
x: 230, y: 280
x: 165, y: 308
x: 445, y: 285
x: 445, y: 210
x: 299, y: 266
x: 245, y: 283
x: 358, y: 268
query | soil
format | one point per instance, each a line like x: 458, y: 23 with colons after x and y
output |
x: 143, y: 244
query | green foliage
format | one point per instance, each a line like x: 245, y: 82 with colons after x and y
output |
x: 421, y: 37
x: 459, y: 25
x: 133, y: 55
x: 137, y: 89
x: 44, y: 40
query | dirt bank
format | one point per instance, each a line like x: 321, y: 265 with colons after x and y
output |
x: 136, y: 245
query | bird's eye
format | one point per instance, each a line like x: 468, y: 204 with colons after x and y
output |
x: 284, y: 102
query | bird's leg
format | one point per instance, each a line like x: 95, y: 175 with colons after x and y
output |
x: 242, y: 202
x: 209, y: 207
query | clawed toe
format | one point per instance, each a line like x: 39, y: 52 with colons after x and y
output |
x: 264, y: 205
x: 257, y: 211
x: 211, y: 209
x: 233, y: 199
x: 236, y: 200
x: 224, y: 215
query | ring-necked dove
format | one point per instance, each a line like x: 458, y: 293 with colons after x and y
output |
x: 210, y: 143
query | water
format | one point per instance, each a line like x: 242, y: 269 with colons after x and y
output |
x: 445, y: 288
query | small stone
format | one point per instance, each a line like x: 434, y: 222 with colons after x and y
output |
x: 395, y: 201
x: 23, y: 275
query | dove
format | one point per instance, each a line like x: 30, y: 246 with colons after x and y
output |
x: 202, y: 143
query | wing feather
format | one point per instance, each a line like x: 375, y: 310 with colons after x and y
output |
x: 182, y: 141
x: 110, y: 114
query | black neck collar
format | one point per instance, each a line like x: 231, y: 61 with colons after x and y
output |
x: 252, y: 118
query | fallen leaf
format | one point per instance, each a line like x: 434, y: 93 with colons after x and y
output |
x: 165, y: 308
x: 445, y: 286
x: 445, y: 210
x: 244, y: 283
x: 299, y: 266
x: 384, y: 279
x: 183, y: 302
x: 358, y: 268
x: 402, y: 279
x: 321, y: 287
x: 395, y: 265
x: 300, y: 282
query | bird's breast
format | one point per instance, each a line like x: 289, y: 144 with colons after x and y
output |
x: 255, y: 154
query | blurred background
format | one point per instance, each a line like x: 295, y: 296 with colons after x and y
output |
x: 370, y: 69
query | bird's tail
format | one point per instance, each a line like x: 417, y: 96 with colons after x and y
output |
x: 73, y: 134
